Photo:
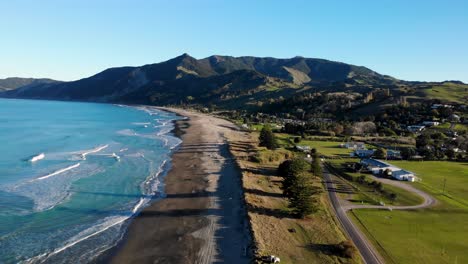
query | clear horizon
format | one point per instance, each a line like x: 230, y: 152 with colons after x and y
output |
x: 416, y: 41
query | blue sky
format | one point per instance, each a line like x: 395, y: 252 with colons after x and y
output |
x: 68, y: 40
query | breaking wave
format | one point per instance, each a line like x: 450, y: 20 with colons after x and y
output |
x: 37, y: 157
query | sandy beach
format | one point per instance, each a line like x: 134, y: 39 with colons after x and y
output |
x: 202, y: 219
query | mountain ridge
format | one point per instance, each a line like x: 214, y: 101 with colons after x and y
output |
x: 225, y: 81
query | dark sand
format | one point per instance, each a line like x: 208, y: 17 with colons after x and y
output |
x: 202, y: 219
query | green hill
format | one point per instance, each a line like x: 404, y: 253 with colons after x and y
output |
x: 250, y: 83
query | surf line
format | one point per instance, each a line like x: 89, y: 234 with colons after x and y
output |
x: 84, y: 154
x: 37, y: 157
x: 58, y: 172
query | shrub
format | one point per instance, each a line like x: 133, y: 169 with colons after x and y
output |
x: 347, y: 249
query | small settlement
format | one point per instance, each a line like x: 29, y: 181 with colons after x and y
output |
x: 378, y: 167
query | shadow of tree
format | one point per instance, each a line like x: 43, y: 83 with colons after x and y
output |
x: 263, y: 193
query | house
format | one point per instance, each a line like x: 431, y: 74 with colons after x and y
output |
x: 415, y: 129
x: 437, y: 106
x: 362, y: 153
x: 454, y: 118
x: 354, y: 145
x: 378, y: 167
x: 303, y: 148
x: 393, y: 154
x: 403, y: 175
x: 431, y: 123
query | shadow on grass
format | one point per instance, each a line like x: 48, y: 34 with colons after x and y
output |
x: 278, y: 213
x: 263, y: 193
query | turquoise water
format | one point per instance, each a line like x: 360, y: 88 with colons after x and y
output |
x: 72, y: 174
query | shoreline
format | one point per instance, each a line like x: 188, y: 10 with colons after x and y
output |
x: 202, y: 218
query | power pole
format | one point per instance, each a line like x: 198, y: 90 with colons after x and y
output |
x: 445, y: 181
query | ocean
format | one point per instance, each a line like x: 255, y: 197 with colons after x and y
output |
x: 73, y: 174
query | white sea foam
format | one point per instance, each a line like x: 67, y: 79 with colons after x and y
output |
x: 141, y: 123
x: 95, y: 150
x: 37, y: 157
x: 149, y: 187
x: 90, y: 232
x: 58, y: 172
x: 47, y: 193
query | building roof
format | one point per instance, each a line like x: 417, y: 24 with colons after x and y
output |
x: 380, y: 164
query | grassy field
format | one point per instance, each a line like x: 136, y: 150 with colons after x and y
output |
x: 433, y: 174
x: 367, y: 194
x: 327, y: 148
x: 432, y: 235
x: 275, y: 231
x: 448, y: 92
x: 461, y: 127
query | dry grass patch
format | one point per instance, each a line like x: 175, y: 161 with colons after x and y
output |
x: 275, y: 231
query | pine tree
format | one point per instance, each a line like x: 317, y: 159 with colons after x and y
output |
x: 302, y: 201
x: 290, y: 170
x: 267, y: 138
x: 316, y: 166
x: 297, y: 186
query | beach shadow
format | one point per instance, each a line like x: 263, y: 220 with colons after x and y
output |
x: 233, y: 237
x: 230, y: 127
x: 263, y: 193
x: 327, y: 249
x: 144, y: 213
x: 262, y: 171
x: 278, y: 213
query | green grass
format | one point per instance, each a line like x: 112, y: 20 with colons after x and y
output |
x: 448, y: 92
x: 367, y: 193
x: 461, y: 127
x: 428, y: 236
x: 327, y: 148
x: 433, y: 235
x: 433, y: 174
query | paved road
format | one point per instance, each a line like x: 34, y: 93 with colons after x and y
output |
x: 369, y: 254
x: 428, y: 200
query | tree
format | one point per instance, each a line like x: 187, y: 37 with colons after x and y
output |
x: 267, y: 138
x: 316, y: 167
x: 347, y: 249
x: 407, y: 153
x: 338, y: 129
x: 387, y: 173
x: 380, y: 153
x: 290, y: 170
x: 393, y: 196
x: 297, y: 186
x: 301, y: 200
x: 450, y: 153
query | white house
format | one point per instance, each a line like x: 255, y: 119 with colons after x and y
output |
x: 378, y: 167
x: 362, y: 153
x: 415, y: 128
x: 393, y: 154
x: 303, y: 148
x: 403, y: 175
x: 431, y: 123
x: 354, y: 145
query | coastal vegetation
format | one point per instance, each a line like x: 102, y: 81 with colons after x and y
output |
x: 276, y: 228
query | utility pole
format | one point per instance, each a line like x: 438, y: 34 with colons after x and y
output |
x: 445, y: 181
